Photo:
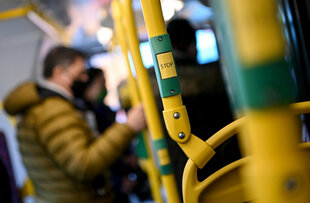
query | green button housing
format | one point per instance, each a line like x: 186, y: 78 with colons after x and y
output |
x: 169, y: 86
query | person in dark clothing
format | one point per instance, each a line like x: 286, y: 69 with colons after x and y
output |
x: 61, y: 153
x: 205, y: 97
x: 90, y: 94
x: 127, y: 176
x: 8, y: 188
x: 5, y: 191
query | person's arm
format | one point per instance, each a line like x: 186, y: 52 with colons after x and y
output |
x: 70, y: 142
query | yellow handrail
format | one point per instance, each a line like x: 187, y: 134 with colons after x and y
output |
x: 175, y: 114
x: 153, y: 120
x: 148, y: 163
x: 229, y: 176
x: 15, y: 12
x: 29, y: 9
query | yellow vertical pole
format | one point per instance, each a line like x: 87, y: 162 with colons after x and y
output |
x: 152, y: 116
x: 147, y: 163
x: 175, y: 114
x: 255, y: 49
x: 278, y: 171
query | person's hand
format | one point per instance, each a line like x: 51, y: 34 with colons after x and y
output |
x: 136, y: 118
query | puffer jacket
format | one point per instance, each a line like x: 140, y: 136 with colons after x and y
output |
x: 62, y: 156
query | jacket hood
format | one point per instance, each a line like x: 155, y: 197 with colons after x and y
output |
x: 21, y: 98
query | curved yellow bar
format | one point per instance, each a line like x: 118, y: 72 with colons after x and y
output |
x: 300, y: 107
x: 225, y: 133
x: 226, y: 185
x: 234, y: 127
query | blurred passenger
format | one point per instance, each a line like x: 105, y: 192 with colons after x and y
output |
x: 62, y: 155
x: 5, y: 189
x: 91, y: 93
x: 8, y: 189
x: 127, y: 177
x: 205, y: 98
x: 183, y: 41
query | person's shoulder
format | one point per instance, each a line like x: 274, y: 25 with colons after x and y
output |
x: 51, y: 107
x: 57, y: 112
x: 56, y: 104
x: 21, y: 98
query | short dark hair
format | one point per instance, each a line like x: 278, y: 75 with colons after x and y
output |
x: 60, y: 55
x: 181, y: 33
x: 93, y: 73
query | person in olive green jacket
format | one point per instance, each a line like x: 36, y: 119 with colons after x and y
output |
x: 62, y: 156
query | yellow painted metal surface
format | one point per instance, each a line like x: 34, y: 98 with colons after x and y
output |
x: 64, y: 37
x: 163, y: 157
x: 172, y: 102
x: 147, y: 164
x: 257, y: 33
x: 153, y: 17
x: 154, y: 178
x: 226, y: 184
x: 278, y: 170
x: 177, y: 121
x: 144, y: 84
x: 300, y: 107
x: 197, y: 150
x: 152, y: 116
x: 27, y: 189
x: 117, y: 16
x: 15, y: 13
x: 228, y: 131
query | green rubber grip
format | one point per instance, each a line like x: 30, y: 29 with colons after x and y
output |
x: 161, y: 144
x: 141, y: 148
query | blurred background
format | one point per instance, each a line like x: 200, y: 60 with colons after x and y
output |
x: 28, y: 29
x: 87, y: 25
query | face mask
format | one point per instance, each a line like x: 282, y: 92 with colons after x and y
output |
x: 102, y: 94
x: 78, y: 88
